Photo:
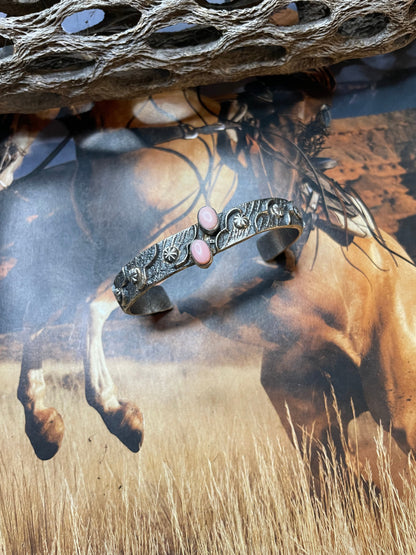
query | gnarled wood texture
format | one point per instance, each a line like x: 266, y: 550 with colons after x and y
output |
x: 142, y: 46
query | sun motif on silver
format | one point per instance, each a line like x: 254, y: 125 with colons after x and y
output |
x: 241, y: 222
x: 170, y: 254
x: 136, y: 276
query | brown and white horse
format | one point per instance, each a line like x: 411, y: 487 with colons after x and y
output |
x: 340, y: 319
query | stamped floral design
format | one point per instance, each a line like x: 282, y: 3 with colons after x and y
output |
x: 170, y: 254
x: 241, y: 222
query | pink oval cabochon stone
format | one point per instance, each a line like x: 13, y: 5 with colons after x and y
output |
x: 207, y: 218
x: 200, y: 252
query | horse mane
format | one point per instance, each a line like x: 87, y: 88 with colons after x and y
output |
x: 269, y: 98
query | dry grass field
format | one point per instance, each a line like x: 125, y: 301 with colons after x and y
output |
x: 215, y: 475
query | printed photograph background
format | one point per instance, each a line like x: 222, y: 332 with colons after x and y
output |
x: 217, y: 472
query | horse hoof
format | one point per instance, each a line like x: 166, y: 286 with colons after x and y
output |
x: 126, y: 423
x: 45, y: 430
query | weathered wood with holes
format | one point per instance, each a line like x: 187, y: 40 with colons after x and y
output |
x: 43, y: 66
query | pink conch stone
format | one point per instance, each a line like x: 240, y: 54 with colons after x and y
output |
x: 207, y: 218
x: 201, y: 253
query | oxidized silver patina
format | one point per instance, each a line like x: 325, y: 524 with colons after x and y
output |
x: 134, y: 286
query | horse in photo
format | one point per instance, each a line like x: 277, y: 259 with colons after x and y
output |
x: 333, y: 315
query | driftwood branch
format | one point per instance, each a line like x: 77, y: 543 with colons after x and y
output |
x: 144, y: 46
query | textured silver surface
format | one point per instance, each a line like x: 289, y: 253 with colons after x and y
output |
x: 171, y: 255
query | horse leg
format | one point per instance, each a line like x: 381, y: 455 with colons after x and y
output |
x: 300, y: 385
x: 122, y: 418
x: 365, y: 438
x: 44, y: 425
x: 316, y: 387
x: 297, y: 393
